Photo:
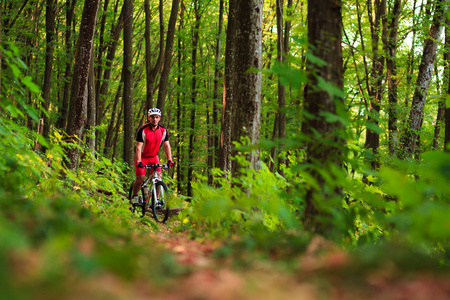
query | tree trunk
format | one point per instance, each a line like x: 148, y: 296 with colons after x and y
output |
x: 224, y: 161
x: 216, y: 99
x: 447, y: 74
x: 112, y: 46
x: 30, y: 59
x: 128, y: 117
x: 246, y: 85
x: 116, y: 134
x: 180, y: 114
x: 279, y: 131
x: 391, y: 68
x: 153, y: 72
x: 50, y: 20
x: 167, y: 57
x: 1, y: 43
x: 410, y: 63
x: 376, y: 79
x: 102, y: 47
x: 195, y: 39
x: 78, y: 100
x: 62, y: 119
x: 210, y: 141
x: 110, y: 130
x: 325, y: 147
x: 90, y: 138
x: 437, y: 127
x: 412, y: 132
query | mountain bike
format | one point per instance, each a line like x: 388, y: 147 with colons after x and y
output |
x: 154, y: 196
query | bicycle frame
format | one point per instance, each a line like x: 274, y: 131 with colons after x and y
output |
x: 154, y: 196
x: 153, y: 178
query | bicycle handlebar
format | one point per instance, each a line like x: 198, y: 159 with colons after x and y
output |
x: 154, y: 166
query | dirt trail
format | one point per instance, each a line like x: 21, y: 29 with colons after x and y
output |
x: 321, y: 276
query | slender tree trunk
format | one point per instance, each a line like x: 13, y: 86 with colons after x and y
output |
x: 280, y: 116
x: 447, y: 74
x: 112, y: 46
x: 366, y: 68
x: 246, y: 84
x: 30, y: 43
x: 116, y: 134
x: 195, y: 40
x: 410, y: 137
x: 1, y: 42
x: 325, y: 147
x: 90, y: 138
x: 411, y: 56
x: 110, y: 130
x: 376, y: 78
x: 78, y: 100
x: 153, y: 72
x: 50, y: 19
x: 437, y: 126
x: 62, y: 120
x: 102, y: 47
x: 167, y: 57
x: 210, y: 141
x: 180, y: 113
x: 216, y: 99
x: 128, y: 117
x: 391, y: 68
x: 224, y: 161
x: 281, y: 56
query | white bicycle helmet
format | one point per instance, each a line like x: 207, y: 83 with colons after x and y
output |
x: 154, y: 111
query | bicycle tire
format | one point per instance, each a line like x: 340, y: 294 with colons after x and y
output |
x: 160, y: 212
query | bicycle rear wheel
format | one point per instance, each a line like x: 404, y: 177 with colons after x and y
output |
x: 160, y: 206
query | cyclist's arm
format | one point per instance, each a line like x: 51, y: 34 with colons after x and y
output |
x: 167, y: 150
x: 139, y: 151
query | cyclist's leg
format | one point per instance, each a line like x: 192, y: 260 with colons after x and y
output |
x: 140, y: 177
x: 137, y: 184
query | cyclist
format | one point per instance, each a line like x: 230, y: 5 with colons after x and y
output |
x: 149, y: 139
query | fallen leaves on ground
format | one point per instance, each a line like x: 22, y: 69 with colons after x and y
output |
x: 324, y: 272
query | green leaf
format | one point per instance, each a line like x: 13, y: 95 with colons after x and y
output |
x: 106, y: 161
x: 31, y: 85
x: 14, y: 48
x: 332, y: 118
x: 43, y: 141
x: 315, y: 60
x: 16, y: 71
x: 374, y: 127
x: 330, y: 88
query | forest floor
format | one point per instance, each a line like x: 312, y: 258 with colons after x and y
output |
x: 324, y: 272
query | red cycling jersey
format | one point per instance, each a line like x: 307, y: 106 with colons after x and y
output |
x: 152, y: 139
x: 152, y: 142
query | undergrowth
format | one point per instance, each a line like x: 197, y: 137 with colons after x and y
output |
x: 405, y: 204
x: 59, y: 227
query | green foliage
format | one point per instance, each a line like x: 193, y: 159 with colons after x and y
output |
x: 408, y: 202
x: 16, y: 85
x: 227, y: 210
x: 60, y: 227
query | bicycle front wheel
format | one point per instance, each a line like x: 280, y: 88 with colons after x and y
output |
x: 160, y: 205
